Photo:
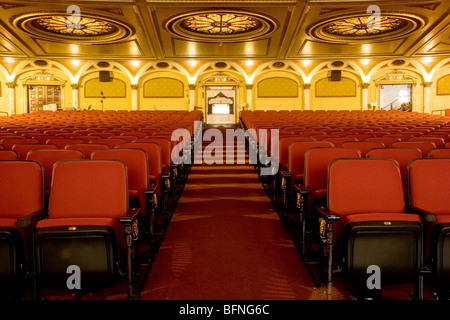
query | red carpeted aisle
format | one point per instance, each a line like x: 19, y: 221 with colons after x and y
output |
x: 226, y: 242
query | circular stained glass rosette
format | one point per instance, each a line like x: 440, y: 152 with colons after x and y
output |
x: 359, y: 27
x: 83, y: 28
x: 221, y: 25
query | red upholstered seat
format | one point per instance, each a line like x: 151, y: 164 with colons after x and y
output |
x: 429, y: 194
x: 21, y: 195
x: 366, y: 207
x: 88, y: 205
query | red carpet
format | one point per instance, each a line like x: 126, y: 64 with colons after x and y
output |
x: 225, y: 242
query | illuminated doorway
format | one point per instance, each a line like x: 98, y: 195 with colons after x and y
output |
x: 396, y: 97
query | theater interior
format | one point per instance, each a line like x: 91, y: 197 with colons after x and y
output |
x: 182, y: 150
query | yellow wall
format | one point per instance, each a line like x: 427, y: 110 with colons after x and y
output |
x: 110, y: 103
x: 440, y: 102
x: 285, y: 99
x: 164, y: 103
x: 334, y: 100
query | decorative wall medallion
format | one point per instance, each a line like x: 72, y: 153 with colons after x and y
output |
x: 62, y: 26
x: 278, y: 64
x: 223, y: 25
x: 360, y: 27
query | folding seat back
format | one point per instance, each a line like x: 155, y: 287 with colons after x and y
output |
x: 23, y: 149
x: 387, y: 141
x: 137, y: 166
x: 48, y: 157
x: 424, y: 146
x: 429, y: 193
x: 61, y: 143
x: 373, y: 228
x: 8, y: 155
x: 21, y: 194
x: 337, y: 142
x: 439, y: 153
x: 439, y: 142
x: 363, y: 146
x: 284, y: 149
x: 8, y: 143
x: 42, y: 138
x: 403, y: 156
x: 296, y: 158
x: 165, y: 146
x: 87, y: 148
x: 317, y: 161
x: 154, y: 160
x: 83, y: 229
x: 110, y: 142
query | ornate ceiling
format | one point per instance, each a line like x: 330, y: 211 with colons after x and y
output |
x: 216, y: 30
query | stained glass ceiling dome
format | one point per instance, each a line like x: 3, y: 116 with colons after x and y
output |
x: 62, y: 26
x: 361, y: 27
x: 222, y: 25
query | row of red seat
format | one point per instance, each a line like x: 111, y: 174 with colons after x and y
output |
x: 85, y: 176
x: 309, y: 145
x: 88, y: 225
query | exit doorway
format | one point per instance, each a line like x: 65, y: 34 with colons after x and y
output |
x: 43, y: 97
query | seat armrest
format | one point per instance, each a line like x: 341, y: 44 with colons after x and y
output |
x: 285, y: 174
x: 131, y: 216
x: 425, y: 216
x: 327, y: 214
x: 151, y: 189
x: 300, y: 188
x: 32, y: 218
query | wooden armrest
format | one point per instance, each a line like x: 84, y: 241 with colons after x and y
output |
x: 300, y: 188
x: 131, y: 216
x: 327, y: 214
x: 32, y: 218
x: 285, y: 174
x: 151, y: 189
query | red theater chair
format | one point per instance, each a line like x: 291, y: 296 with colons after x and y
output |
x: 429, y: 195
x: 23, y: 149
x: 313, y: 191
x: 21, y: 205
x: 8, y: 155
x: 365, y: 224
x: 403, y: 156
x: 424, y: 146
x: 87, y: 148
x: 47, y: 158
x: 138, y: 181
x: 156, y: 176
x: 89, y: 226
x: 439, y: 153
x: 294, y: 173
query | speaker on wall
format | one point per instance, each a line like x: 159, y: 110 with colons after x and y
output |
x: 335, y: 75
x: 105, y: 76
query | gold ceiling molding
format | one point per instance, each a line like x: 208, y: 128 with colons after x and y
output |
x: 85, y: 28
x: 362, y: 27
x: 221, y: 25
